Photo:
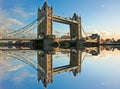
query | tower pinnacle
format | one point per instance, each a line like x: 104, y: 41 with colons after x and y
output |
x: 45, y: 0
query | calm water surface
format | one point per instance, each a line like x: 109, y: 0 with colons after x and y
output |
x: 27, y: 70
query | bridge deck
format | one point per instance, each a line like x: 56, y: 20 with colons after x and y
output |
x: 14, y: 39
x: 63, y: 20
x: 63, y: 69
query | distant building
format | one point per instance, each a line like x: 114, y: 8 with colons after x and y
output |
x: 65, y: 37
x: 0, y: 36
x: 108, y: 41
x: 118, y: 41
x: 0, y: 54
x: 94, y: 38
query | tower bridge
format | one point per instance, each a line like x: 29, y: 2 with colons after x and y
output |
x: 44, y: 25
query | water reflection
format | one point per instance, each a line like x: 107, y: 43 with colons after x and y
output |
x: 45, y: 65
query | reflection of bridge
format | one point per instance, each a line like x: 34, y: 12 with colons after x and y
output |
x: 44, y: 63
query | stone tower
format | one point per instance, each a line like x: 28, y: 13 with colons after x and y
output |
x: 45, y: 27
x: 75, y: 28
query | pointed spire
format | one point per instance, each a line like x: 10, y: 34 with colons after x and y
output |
x: 45, y: 4
x: 45, y: 0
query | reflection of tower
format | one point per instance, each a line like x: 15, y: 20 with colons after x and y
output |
x: 0, y: 36
x: 45, y: 74
x: 75, y: 60
x: 0, y: 54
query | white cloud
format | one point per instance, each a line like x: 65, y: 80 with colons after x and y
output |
x: 7, y: 23
x: 22, y: 13
x: 4, y: 21
x: 107, y: 35
x: 9, y: 68
x: 6, y: 66
x: 4, y: 27
x: 20, y: 77
x: 15, y: 21
x: 105, y: 53
x: 15, y: 68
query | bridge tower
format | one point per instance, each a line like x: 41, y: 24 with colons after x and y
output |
x: 75, y: 28
x: 45, y: 27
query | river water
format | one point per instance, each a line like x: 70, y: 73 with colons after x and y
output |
x: 90, y: 68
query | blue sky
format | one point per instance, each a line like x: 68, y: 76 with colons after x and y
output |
x: 97, y: 15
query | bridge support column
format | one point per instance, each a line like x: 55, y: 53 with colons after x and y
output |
x: 45, y: 62
x: 75, y: 30
x: 75, y: 60
x: 45, y: 27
